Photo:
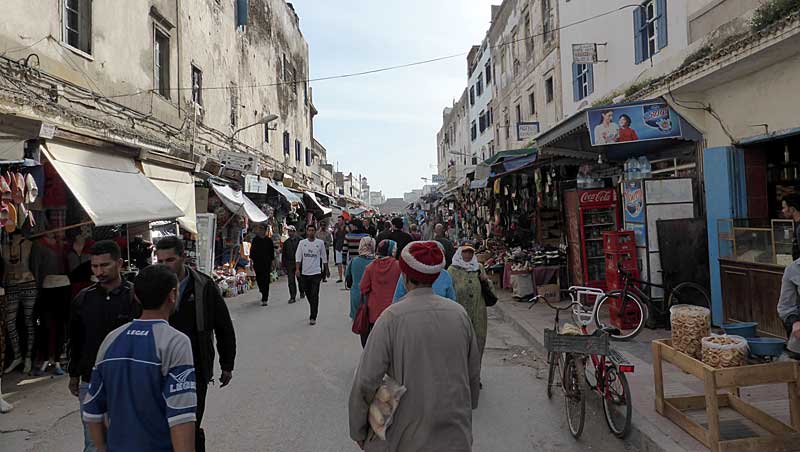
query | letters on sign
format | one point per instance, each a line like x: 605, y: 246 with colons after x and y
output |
x: 596, y: 197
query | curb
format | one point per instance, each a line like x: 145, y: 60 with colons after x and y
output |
x: 644, y: 435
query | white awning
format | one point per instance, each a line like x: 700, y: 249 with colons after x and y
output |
x: 285, y: 192
x: 179, y: 187
x: 109, y: 186
x: 239, y: 204
x: 316, y: 205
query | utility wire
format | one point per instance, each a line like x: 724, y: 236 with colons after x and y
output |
x: 384, y: 69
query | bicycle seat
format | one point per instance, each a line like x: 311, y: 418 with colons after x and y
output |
x: 610, y: 330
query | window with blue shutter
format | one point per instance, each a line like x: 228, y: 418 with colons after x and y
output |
x: 649, y: 29
x: 241, y: 12
x: 582, y: 81
x: 297, y: 146
x: 308, y: 157
x: 286, y: 145
x: 662, y: 23
x: 576, y: 94
x: 589, y: 79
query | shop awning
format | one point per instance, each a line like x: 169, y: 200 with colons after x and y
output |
x: 285, y: 192
x: 238, y: 203
x: 109, y: 187
x: 503, y: 155
x: 480, y: 183
x: 314, y: 204
x: 177, y: 186
x: 513, y: 165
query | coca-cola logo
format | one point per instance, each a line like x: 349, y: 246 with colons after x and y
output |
x: 596, y: 197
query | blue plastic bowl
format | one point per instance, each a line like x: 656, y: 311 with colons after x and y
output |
x: 766, y: 346
x: 744, y: 329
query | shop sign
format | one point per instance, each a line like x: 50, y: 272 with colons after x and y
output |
x: 527, y: 130
x: 437, y: 179
x: 240, y: 161
x: 584, y: 53
x: 47, y: 131
x: 632, y: 123
x: 255, y: 184
x: 634, y: 202
x: 596, y: 198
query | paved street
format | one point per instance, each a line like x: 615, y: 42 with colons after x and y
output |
x: 291, y: 384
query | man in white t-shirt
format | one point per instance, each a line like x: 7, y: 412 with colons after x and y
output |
x: 312, y: 261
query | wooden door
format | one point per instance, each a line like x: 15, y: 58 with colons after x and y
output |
x: 735, y: 294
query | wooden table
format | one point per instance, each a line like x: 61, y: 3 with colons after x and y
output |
x: 781, y: 437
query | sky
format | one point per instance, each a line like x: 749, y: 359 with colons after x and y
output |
x: 384, y: 125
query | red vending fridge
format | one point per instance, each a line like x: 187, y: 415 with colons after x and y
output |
x: 589, y: 213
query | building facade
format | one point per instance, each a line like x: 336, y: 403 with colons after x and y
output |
x: 194, y: 79
x: 453, y: 141
x: 479, y: 86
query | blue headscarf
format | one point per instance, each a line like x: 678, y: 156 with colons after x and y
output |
x: 387, y: 248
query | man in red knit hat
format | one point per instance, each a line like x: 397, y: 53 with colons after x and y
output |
x: 427, y: 344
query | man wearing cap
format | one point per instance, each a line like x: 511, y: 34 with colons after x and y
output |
x: 427, y: 344
x: 287, y: 259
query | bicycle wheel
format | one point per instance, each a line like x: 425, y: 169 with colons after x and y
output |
x: 574, y: 394
x: 552, y: 359
x: 609, y: 314
x: 689, y: 293
x: 617, y: 404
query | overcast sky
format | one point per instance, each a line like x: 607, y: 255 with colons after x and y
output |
x: 384, y: 125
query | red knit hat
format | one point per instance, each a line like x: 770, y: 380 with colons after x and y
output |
x: 422, y: 261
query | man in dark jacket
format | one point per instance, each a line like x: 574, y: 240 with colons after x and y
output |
x: 287, y: 259
x: 201, y: 314
x: 449, y: 249
x: 398, y: 235
x: 262, y: 254
x: 96, y: 311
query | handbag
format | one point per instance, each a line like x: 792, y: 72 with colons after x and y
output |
x: 361, y: 322
x: 489, y: 298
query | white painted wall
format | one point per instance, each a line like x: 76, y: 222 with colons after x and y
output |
x: 616, y: 30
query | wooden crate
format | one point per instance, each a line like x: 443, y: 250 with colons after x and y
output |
x: 781, y: 437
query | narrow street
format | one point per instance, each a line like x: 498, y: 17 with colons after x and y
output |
x: 291, y: 384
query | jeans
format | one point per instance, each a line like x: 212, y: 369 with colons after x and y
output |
x: 311, y: 285
x: 88, y: 444
x: 199, y: 434
x: 294, y: 281
x: 262, y: 279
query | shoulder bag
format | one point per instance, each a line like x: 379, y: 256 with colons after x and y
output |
x: 489, y: 298
x: 361, y: 322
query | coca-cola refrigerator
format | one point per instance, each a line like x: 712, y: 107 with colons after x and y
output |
x: 589, y: 213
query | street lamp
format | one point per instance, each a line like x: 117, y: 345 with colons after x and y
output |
x: 266, y: 119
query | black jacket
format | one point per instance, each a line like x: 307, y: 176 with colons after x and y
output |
x: 289, y: 250
x: 202, y: 314
x: 262, y: 253
x: 94, y: 314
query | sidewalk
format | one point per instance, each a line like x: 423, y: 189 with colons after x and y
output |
x: 650, y: 430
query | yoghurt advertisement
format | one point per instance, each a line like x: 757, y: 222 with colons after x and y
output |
x: 632, y: 123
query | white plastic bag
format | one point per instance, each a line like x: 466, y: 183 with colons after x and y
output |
x: 384, y: 405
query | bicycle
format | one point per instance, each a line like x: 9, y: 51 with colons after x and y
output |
x: 568, y: 355
x: 684, y: 293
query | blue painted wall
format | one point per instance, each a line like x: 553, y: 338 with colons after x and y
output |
x: 726, y: 197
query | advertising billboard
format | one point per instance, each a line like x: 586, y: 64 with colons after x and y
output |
x: 632, y: 123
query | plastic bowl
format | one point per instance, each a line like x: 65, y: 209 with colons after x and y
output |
x: 744, y: 329
x: 766, y: 346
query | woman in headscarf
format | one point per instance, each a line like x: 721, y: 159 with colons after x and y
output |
x: 355, y: 270
x: 378, y: 283
x: 467, y: 275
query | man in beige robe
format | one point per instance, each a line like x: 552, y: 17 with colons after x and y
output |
x: 427, y: 344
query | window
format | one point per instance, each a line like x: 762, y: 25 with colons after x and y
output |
x: 488, y: 69
x: 197, y: 85
x: 472, y: 95
x: 503, y: 59
x: 161, y: 62
x: 490, y: 118
x: 234, y: 92
x: 286, y: 145
x: 482, y: 122
x: 473, y: 131
x: 532, y: 102
x: 548, y: 89
x: 284, y: 71
x: 77, y: 23
x: 507, y: 125
x: 297, y: 150
x: 547, y: 20
x: 479, y: 86
x: 649, y: 29
x: 266, y: 133
x: 305, y: 92
x: 582, y: 81
x: 308, y: 157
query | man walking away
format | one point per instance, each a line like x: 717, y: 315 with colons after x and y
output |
x: 401, y: 237
x: 262, y: 254
x: 95, y: 312
x: 324, y: 234
x: 312, y: 263
x: 449, y: 250
x: 202, y: 315
x: 370, y: 228
x: 425, y: 343
x: 338, y: 247
x: 353, y: 239
x: 287, y: 259
x: 144, y: 379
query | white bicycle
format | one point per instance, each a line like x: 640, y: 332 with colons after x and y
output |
x: 616, y: 310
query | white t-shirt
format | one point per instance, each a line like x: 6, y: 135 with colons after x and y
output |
x: 606, y: 134
x: 311, y: 255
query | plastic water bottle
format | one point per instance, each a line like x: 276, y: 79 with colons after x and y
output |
x: 644, y: 167
x: 635, y: 170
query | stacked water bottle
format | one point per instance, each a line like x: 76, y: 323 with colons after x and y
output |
x: 637, y: 168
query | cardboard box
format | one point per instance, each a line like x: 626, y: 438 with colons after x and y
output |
x: 550, y: 291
